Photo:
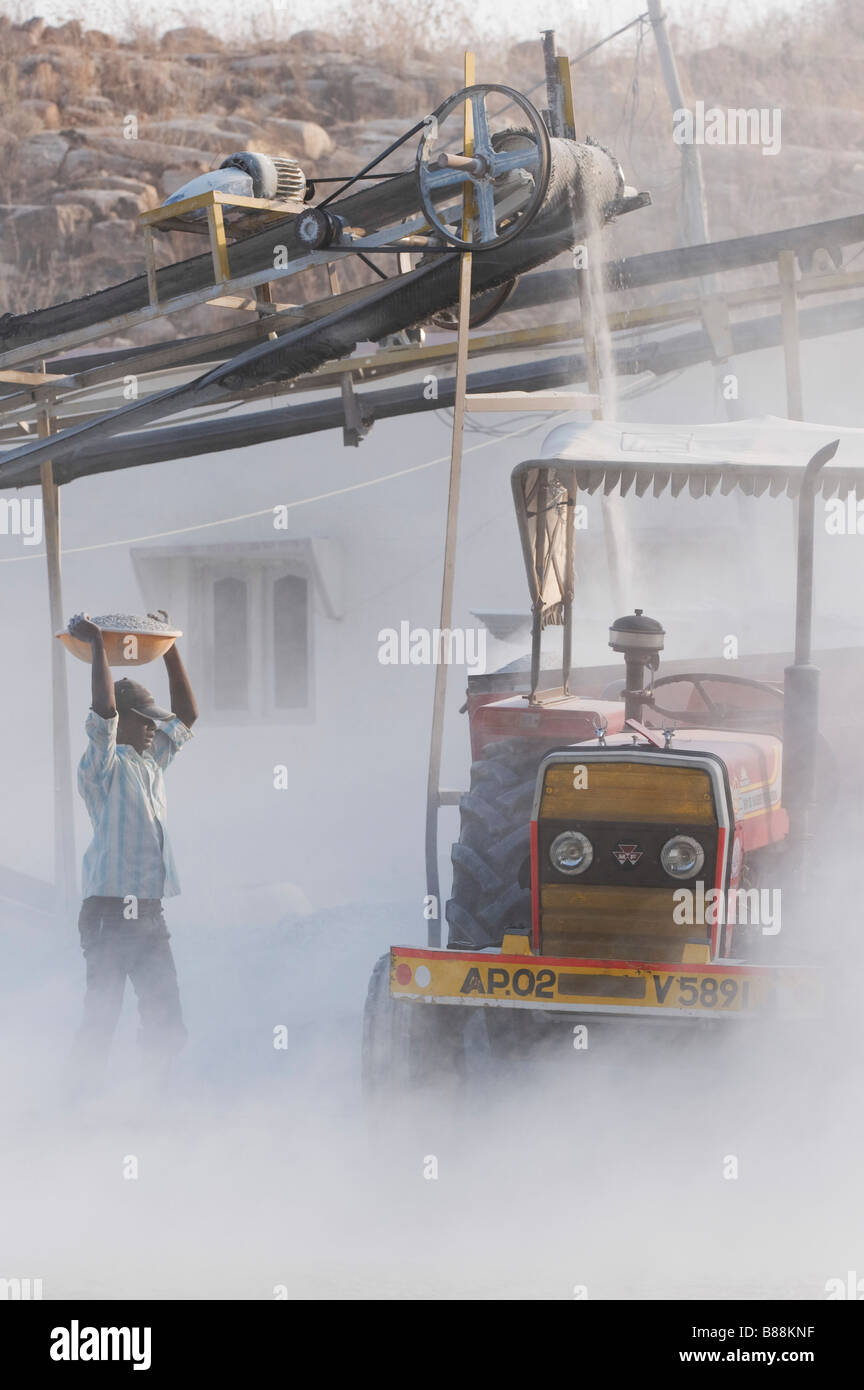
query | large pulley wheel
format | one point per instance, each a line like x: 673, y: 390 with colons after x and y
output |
x: 484, y: 307
x: 507, y: 172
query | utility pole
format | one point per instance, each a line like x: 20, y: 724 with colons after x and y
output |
x: 64, y: 827
x: 694, y: 214
x: 694, y: 210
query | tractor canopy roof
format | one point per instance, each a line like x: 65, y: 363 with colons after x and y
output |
x: 766, y: 455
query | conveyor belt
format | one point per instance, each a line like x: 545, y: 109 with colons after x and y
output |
x: 371, y: 209
x: 583, y: 188
x: 309, y: 417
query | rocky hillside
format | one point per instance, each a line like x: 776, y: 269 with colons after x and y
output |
x: 93, y: 130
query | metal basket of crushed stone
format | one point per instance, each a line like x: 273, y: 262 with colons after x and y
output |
x: 129, y: 640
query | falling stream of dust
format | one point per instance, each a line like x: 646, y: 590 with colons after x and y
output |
x: 619, y: 545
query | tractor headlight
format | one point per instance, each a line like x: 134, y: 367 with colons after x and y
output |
x: 571, y: 852
x: 682, y: 856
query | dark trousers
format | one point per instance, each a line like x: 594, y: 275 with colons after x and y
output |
x: 115, y: 948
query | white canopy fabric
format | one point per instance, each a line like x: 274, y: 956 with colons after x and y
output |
x: 741, y: 452
x: 766, y: 455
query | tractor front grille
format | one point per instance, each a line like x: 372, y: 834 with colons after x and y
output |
x: 623, y: 906
x: 606, y: 923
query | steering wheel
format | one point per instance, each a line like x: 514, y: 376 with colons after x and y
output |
x: 714, y: 713
x: 508, y: 172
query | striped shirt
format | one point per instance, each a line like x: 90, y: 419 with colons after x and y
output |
x: 125, y: 798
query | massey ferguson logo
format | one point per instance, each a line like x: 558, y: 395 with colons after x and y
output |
x: 627, y: 854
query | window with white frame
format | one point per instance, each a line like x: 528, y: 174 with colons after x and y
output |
x: 246, y: 613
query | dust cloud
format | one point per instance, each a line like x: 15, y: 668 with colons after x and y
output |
x: 598, y: 1172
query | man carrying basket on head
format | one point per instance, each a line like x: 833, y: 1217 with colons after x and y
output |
x: 129, y: 868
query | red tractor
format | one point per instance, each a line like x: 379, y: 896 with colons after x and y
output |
x: 640, y: 852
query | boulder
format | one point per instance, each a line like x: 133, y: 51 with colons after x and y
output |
x: 42, y: 155
x: 319, y: 90
x: 307, y: 137
x: 121, y: 181
x: 201, y: 131
x: 82, y: 115
x: 203, y: 60
x: 95, y: 38
x: 90, y: 165
x: 170, y: 180
x: 154, y: 83
x: 243, y: 125
x: 41, y: 231
x: 97, y: 103
x: 367, y: 139
x: 33, y: 28
x: 189, y: 36
x: 103, y: 202
x: 46, y: 111
x: 78, y: 67
x: 156, y: 154
x: 263, y: 65
x: 71, y: 32
x: 270, y: 101
x: 294, y: 107
x: 313, y: 41
x: 41, y: 80
x: 372, y: 91
x: 112, y: 238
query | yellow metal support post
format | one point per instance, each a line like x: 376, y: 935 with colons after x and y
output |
x: 218, y: 246
x: 150, y: 259
x: 565, y: 77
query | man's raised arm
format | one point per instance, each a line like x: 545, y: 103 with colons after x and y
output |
x: 180, y: 691
x: 102, y: 684
x: 182, y: 700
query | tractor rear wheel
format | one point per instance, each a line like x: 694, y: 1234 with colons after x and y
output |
x: 491, y: 858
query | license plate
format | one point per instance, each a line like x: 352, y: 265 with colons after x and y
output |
x: 646, y: 988
x: 520, y: 981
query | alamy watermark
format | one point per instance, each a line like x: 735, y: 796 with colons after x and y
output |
x: 851, y: 1287
x: 77, y: 1343
x: 754, y: 907
x: 735, y: 126
x: 22, y: 516
x: 423, y: 646
x: 844, y: 516
x: 18, y: 1290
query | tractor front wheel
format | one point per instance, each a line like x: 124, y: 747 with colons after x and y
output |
x: 491, y: 888
x: 409, y: 1047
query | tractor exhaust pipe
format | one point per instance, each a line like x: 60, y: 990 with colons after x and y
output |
x: 801, y: 680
